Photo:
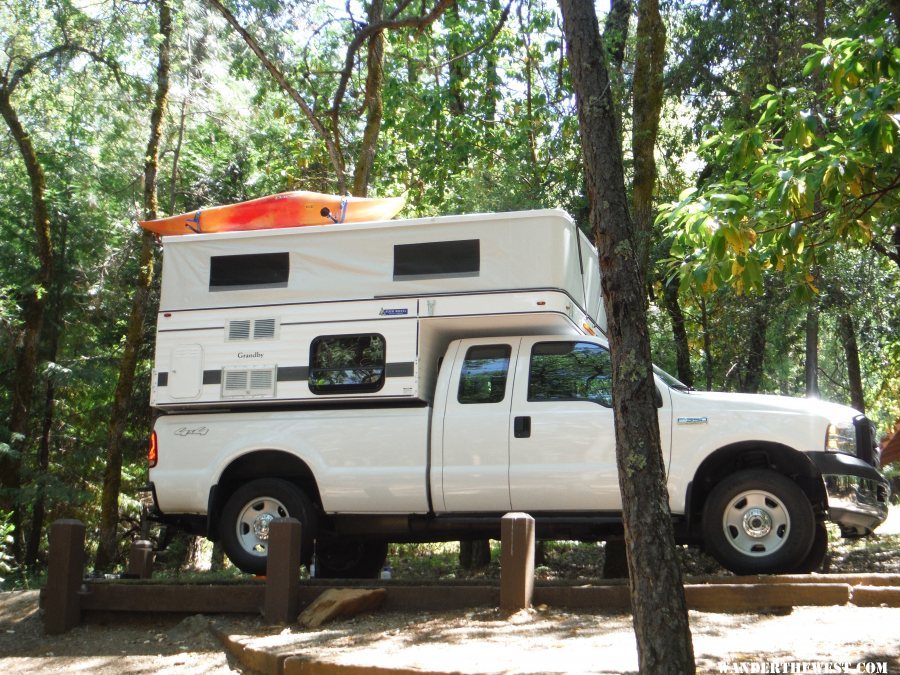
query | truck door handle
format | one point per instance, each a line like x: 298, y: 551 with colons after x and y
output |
x: 522, y: 427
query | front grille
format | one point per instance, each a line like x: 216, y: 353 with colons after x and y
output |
x: 866, y: 449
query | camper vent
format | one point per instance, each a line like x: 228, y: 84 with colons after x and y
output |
x: 264, y: 329
x: 239, y: 383
x: 245, y: 329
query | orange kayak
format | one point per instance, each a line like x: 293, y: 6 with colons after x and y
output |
x: 288, y: 209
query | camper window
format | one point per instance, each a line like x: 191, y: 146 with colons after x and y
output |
x: 570, y: 371
x: 255, y: 270
x: 342, y: 364
x: 437, y: 260
x: 483, y: 376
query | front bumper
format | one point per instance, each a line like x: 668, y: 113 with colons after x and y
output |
x: 857, y: 493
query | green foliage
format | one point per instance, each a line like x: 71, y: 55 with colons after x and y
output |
x: 7, y: 562
x: 818, y: 172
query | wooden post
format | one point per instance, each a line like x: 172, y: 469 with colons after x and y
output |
x: 62, y: 610
x: 283, y: 571
x: 516, y: 561
x: 140, y: 560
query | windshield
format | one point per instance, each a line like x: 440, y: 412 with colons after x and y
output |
x: 670, y: 381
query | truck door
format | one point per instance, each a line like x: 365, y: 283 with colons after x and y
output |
x: 475, y: 439
x: 562, y: 441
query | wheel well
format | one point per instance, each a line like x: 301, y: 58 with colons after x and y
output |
x: 754, y: 455
x: 259, y: 464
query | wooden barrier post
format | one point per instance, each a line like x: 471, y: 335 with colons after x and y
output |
x: 516, y: 561
x: 140, y: 560
x: 62, y: 610
x: 283, y: 571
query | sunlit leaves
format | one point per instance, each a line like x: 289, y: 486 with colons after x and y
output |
x: 818, y: 169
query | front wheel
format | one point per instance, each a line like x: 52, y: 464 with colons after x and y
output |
x: 244, y: 525
x: 758, y: 522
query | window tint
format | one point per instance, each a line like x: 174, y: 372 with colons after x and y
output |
x: 570, y: 371
x: 346, y: 364
x: 483, y: 376
x: 256, y: 270
x: 438, y: 259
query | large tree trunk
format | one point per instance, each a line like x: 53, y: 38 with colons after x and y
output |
x: 34, y: 304
x: 373, y: 103
x: 752, y: 376
x: 854, y: 372
x: 657, y: 594
x: 112, y: 477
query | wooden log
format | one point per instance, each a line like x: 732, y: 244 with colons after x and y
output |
x: 875, y: 596
x: 516, y: 561
x: 754, y: 597
x: 62, y: 604
x: 282, y: 571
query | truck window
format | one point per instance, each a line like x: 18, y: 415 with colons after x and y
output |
x: 346, y: 364
x: 570, y: 371
x: 255, y: 270
x: 483, y: 376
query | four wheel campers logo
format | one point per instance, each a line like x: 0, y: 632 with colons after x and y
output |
x: 386, y: 311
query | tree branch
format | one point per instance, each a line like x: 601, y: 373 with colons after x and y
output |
x: 330, y: 142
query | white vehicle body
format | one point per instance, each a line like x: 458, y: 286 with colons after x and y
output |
x: 464, y: 402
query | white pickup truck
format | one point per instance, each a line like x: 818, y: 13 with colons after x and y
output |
x: 521, y: 424
x: 415, y: 380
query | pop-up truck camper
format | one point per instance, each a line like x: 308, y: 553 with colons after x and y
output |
x: 414, y: 380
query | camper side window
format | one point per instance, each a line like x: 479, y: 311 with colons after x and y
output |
x: 570, y: 371
x: 483, y: 376
x: 346, y: 364
x: 254, y: 270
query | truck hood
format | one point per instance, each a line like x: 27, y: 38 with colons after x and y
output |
x: 834, y: 412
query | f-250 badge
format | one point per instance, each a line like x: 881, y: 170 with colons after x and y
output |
x: 192, y: 431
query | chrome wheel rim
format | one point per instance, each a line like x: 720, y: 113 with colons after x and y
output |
x: 253, y: 523
x: 756, y: 523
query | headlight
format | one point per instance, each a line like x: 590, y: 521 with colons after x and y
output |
x: 841, y: 438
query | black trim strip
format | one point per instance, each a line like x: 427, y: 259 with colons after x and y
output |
x: 295, y: 373
x: 293, y: 405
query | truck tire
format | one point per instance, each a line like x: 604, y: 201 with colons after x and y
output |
x: 345, y: 558
x: 244, y: 525
x: 758, y: 522
x: 817, y: 553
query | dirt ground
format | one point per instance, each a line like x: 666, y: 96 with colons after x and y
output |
x: 543, y: 640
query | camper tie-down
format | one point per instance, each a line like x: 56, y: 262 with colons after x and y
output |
x: 414, y: 380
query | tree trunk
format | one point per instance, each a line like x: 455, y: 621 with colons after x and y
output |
x: 648, y: 95
x: 112, y: 477
x: 615, y: 31
x: 373, y: 103
x: 474, y: 554
x: 657, y: 594
x: 34, y: 303
x: 707, y: 345
x: 854, y: 373
x: 812, y: 353
x: 751, y: 379
x: 679, y: 333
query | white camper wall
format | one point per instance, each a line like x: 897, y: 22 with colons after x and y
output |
x: 519, y: 250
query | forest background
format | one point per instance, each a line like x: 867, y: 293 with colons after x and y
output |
x: 774, y: 263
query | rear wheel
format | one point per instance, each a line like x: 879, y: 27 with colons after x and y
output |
x: 248, y: 513
x: 758, y: 522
